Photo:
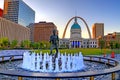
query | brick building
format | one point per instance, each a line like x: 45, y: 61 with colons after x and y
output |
x: 42, y: 31
x: 111, y: 37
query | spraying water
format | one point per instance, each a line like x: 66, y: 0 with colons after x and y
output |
x: 47, y: 63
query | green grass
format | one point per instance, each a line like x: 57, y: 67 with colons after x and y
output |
x: 85, y: 51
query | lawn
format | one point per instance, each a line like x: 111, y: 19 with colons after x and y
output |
x: 85, y: 51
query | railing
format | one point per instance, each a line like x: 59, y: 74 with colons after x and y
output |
x: 57, y: 76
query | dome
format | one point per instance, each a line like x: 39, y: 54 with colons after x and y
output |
x: 75, y: 26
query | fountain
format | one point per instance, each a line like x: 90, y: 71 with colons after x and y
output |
x: 47, y: 63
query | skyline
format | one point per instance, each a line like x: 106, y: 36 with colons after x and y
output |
x: 93, y: 11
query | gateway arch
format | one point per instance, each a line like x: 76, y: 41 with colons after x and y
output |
x: 80, y: 19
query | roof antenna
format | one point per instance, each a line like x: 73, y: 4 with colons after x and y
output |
x: 75, y: 13
x: 76, y: 16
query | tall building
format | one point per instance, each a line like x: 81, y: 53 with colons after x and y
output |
x: 42, y: 31
x: 1, y: 12
x: 19, y: 12
x: 13, y: 31
x: 97, y: 30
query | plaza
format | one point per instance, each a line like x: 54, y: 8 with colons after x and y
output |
x: 86, y: 39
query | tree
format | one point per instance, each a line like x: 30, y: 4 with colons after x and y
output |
x: 1, y: 43
x: 25, y: 44
x: 36, y: 45
x: 14, y: 43
x: 102, y: 44
x: 41, y: 44
x: 4, y: 42
x: 117, y: 46
x: 46, y: 44
x: 111, y: 45
x: 32, y: 45
x: 22, y: 44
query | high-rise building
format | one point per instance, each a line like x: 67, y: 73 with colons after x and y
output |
x: 97, y: 30
x: 42, y: 31
x: 19, y: 12
x: 1, y: 12
x: 13, y: 31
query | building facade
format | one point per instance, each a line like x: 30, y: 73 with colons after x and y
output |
x: 111, y: 37
x: 42, y: 31
x: 13, y: 31
x: 19, y: 12
x: 1, y: 12
x: 64, y: 43
x: 97, y: 30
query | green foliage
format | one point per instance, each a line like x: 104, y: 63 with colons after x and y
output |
x: 40, y: 45
x: 4, y: 42
x: 35, y: 51
x: 111, y: 44
x: 102, y: 44
x: 25, y: 44
x: 22, y: 44
x: 37, y: 45
x: 117, y: 46
x: 46, y: 44
x: 13, y: 44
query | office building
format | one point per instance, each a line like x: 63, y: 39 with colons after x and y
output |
x: 1, y: 12
x: 97, y: 30
x: 19, y: 12
x: 13, y: 31
x: 42, y: 31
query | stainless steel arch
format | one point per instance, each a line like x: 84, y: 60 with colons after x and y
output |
x: 80, y: 19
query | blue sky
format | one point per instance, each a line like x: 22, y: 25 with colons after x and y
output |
x: 93, y: 11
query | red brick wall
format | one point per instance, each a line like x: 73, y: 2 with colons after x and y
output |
x: 43, y: 31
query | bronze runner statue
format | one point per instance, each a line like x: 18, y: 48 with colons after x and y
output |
x: 54, y: 40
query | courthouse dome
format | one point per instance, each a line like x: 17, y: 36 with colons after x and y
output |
x: 75, y: 25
